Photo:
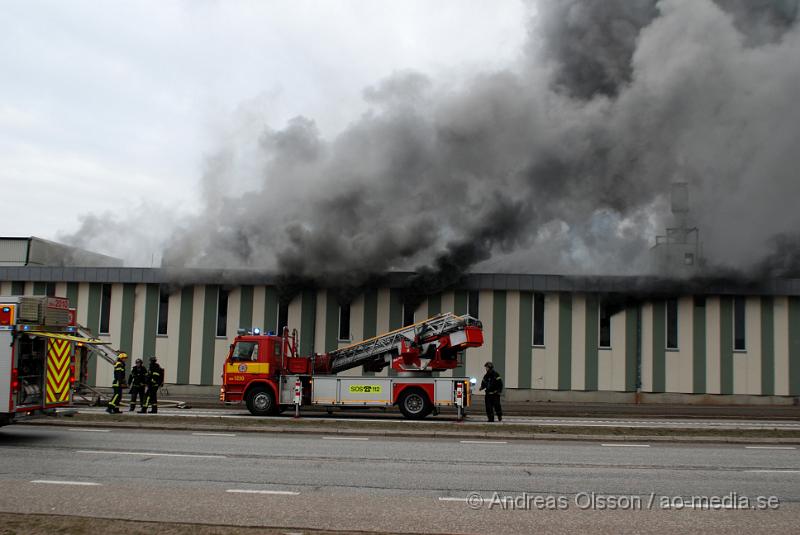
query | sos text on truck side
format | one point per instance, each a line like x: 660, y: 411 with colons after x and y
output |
x: 267, y: 374
x: 38, y: 336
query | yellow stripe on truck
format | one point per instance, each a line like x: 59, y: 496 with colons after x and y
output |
x: 247, y: 367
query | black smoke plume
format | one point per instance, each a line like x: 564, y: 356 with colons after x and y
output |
x: 559, y: 164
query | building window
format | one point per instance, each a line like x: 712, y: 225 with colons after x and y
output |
x: 163, y: 310
x: 408, y: 315
x: 538, y: 319
x: 605, y: 327
x: 473, y: 303
x: 105, y: 308
x: 344, y: 322
x: 222, y: 312
x: 672, y: 324
x: 50, y: 289
x: 739, y: 341
x: 283, y: 317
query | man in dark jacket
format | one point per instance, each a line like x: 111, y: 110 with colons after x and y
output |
x: 138, y: 381
x: 156, y: 379
x: 493, y: 384
x: 117, y: 385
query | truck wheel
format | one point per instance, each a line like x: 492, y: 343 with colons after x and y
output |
x: 414, y: 404
x: 261, y: 401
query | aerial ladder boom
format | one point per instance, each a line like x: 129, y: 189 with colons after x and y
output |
x: 429, y: 345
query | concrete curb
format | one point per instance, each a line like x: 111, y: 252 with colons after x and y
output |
x: 466, y: 433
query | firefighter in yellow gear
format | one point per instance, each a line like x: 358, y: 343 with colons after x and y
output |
x: 118, y: 384
x: 155, y: 380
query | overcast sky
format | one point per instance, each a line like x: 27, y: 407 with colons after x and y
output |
x: 104, y: 105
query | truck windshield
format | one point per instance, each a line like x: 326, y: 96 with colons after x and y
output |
x: 245, y: 351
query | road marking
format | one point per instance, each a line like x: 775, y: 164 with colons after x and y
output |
x: 447, y: 499
x: 89, y: 430
x: 626, y: 445
x: 52, y: 482
x: 483, y: 441
x: 345, y: 438
x: 277, y: 492
x: 214, y: 434
x: 770, y: 448
x: 152, y: 454
x: 773, y: 471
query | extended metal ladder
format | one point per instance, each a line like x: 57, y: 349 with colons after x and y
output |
x: 103, y: 349
x: 360, y: 353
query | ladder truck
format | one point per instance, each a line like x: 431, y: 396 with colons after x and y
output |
x: 267, y: 374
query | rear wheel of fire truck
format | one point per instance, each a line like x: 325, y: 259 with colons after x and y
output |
x: 414, y: 404
x: 261, y: 401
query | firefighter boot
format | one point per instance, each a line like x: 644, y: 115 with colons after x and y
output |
x: 132, y: 408
x: 154, y: 410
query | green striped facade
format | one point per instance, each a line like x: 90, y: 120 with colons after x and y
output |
x: 571, y: 358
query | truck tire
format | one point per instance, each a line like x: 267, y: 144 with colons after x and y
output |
x: 261, y: 401
x: 414, y: 404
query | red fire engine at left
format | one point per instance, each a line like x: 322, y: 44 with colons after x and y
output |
x: 37, y: 368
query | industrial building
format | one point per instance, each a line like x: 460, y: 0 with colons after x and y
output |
x: 550, y: 336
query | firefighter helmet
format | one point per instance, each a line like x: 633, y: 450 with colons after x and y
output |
x: 122, y: 356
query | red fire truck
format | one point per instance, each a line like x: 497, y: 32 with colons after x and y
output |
x: 267, y: 374
x: 37, y: 367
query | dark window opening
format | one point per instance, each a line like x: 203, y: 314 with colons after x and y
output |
x: 473, y: 303
x: 50, y: 289
x: 105, y: 308
x: 344, y: 322
x: 538, y: 319
x: 672, y: 324
x: 699, y: 301
x: 739, y: 324
x: 408, y: 315
x: 163, y: 310
x: 605, y: 327
x: 222, y: 312
x: 283, y: 317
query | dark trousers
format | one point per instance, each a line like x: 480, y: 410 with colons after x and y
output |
x: 493, y: 407
x: 151, y: 401
x: 115, y: 397
x: 137, y: 392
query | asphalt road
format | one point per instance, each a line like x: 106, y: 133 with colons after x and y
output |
x: 392, y: 484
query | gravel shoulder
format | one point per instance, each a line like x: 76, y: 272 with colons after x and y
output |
x: 32, y: 524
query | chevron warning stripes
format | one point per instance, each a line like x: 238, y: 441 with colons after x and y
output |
x: 59, y: 357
